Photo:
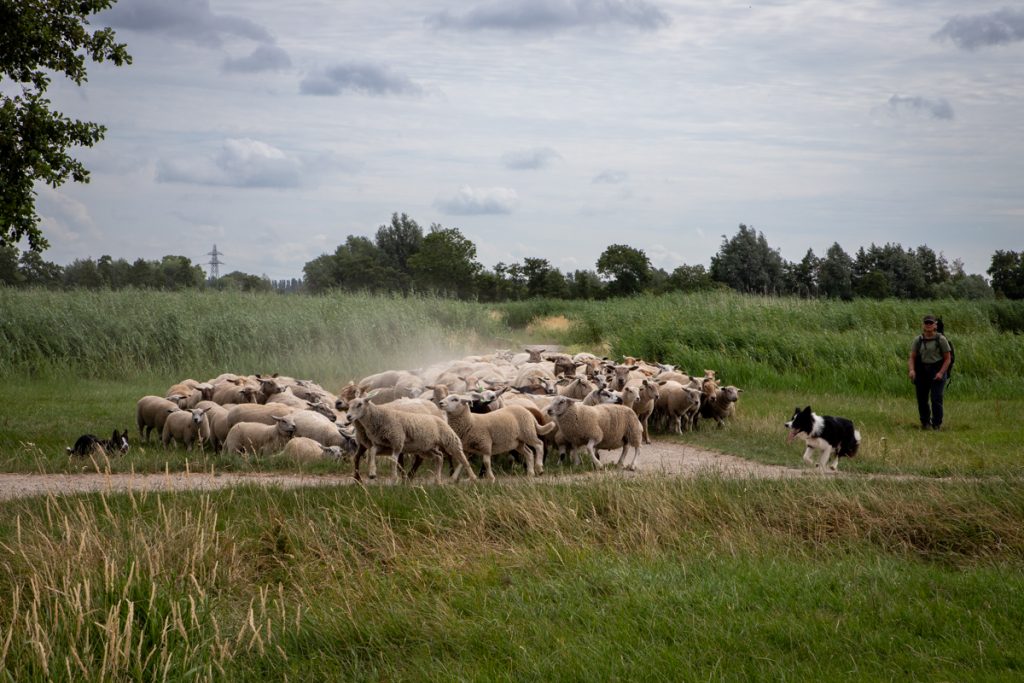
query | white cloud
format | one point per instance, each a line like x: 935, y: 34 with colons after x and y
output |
x: 975, y: 31
x: 369, y: 79
x: 190, y: 20
x: 530, y: 159
x: 477, y: 201
x: 610, y: 177
x: 239, y: 163
x: 553, y: 15
x: 938, y: 109
x: 263, y: 58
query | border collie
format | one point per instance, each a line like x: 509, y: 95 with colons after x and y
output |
x: 87, y: 443
x: 833, y: 437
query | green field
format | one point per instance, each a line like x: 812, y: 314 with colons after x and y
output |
x: 650, y: 578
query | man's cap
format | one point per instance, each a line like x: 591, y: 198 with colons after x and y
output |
x: 929, y: 319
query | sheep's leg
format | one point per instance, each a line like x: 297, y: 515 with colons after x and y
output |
x: 486, y: 457
x: 593, y: 454
x: 525, y: 451
x: 636, y: 454
x: 439, y: 470
x: 647, y: 436
x: 371, y: 466
x: 459, y: 458
x: 360, y: 452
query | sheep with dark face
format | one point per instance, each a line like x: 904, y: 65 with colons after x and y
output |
x: 597, y: 428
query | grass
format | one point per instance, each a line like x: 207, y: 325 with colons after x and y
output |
x: 658, y: 578
x: 609, y: 578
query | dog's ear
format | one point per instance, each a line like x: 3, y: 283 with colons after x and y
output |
x: 807, y: 410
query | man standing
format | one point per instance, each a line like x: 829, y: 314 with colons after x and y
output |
x: 930, y: 355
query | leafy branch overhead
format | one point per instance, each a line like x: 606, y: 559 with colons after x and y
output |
x: 37, y: 38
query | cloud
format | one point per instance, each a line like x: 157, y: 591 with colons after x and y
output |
x: 937, y: 109
x: 553, y: 15
x: 370, y: 79
x: 530, y: 159
x: 240, y: 163
x: 479, y: 201
x: 190, y: 20
x: 65, y: 218
x: 611, y: 177
x: 980, y: 30
x: 263, y: 58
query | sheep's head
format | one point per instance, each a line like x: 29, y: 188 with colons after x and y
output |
x: 356, y: 410
x: 729, y: 394
x: 535, y: 356
x: 285, y: 425
x: 455, y: 403
x: 198, y: 415
x: 324, y: 409
x: 247, y: 394
x: 559, y: 406
x: 605, y: 395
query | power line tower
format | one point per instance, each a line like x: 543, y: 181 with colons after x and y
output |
x: 214, y: 262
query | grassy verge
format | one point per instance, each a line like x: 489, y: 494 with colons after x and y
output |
x: 658, y: 579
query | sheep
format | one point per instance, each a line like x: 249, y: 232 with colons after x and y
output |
x: 304, y: 449
x: 263, y: 439
x: 678, y: 404
x: 285, y: 397
x: 509, y: 429
x: 186, y: 426
x: 597, y: 427
x: 217, y: 416
x: 647, y: 394
x: 535, y: 379
x: 579, y: 387
x: 721, y: 404
x: 315, y: 426
x: 191, y: 392
x: 405, y: 432
x: 602, y: 395
x: 151, y: 413
x: 231, y: 394
x: 253, y: 412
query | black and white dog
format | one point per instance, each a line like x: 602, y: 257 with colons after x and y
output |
x: 87, y: 443
x: 833, y: 437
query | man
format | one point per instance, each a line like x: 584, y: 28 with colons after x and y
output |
x: 930, y: 355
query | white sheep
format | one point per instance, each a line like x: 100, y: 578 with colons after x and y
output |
x: 721, y: 404
x: 647, y: 394
x: 230, y: 393
x: 217, y: 416
x: 186, y: 427
x: 304, y: 449
x: 508, y: 429
x: 678, y: 404
x: 404, y: 432
x: 253, y: 412
x: 315, y: 426
x: 246, y: 437
x: 597, y: 427
x: 151, y: 413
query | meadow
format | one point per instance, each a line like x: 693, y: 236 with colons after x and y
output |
x: 857, y: 578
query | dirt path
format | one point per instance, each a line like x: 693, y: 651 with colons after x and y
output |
x: 661, y: 457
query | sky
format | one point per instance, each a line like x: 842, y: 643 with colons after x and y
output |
x: 548, y: 129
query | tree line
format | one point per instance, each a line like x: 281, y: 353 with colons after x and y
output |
x: 403, y: 258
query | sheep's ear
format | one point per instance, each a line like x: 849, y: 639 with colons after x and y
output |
x: 738, y: 390
x: 499, y: 392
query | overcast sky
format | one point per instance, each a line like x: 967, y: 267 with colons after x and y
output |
x: 549, y: 128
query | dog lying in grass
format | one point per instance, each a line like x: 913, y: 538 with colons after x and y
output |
x: 87, y: 444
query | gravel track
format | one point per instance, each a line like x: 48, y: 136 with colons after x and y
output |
x: 659, y: 457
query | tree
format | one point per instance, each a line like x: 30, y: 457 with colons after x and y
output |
x: 543, y: 279
x: 398, y: 242
x: 38, y: 37
x: 585, y: 284
x: 1007, y: 273
x: 244, y: 282
x: 690, y: 279
x: 446, y: 263
x: 835, y: 274
x: 802, y: 277
x: 629, y: 269
x: 747, y: 264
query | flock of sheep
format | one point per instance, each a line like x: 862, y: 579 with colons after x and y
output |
x: 526, y: 404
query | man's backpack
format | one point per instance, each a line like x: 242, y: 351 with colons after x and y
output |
x: 940, y: 328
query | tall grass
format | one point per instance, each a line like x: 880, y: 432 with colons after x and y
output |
x: 816, y: 346
x: 657, y: 579
x: 105, y: 334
